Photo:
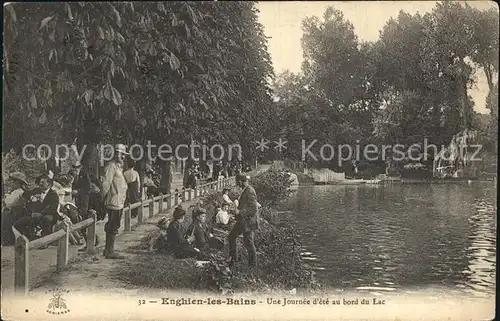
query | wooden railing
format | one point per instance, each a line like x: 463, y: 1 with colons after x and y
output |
x: 62, y: 236
x: 23, y: 247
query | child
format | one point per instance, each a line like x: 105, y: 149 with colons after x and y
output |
x: 222, y: 217
x: 160, y: 243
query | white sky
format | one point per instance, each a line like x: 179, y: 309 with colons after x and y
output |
x: 282, y: 23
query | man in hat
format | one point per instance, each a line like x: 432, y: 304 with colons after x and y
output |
x: 13, y: 206
x: 114, y: 194
x: 43, y: 203
x: 247, y: 222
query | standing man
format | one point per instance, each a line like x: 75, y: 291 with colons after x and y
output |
x: 247, y: 221
x: 81, y: 188
x: 114, y: 194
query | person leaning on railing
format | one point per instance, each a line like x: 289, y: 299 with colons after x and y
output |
x: 42, y: 208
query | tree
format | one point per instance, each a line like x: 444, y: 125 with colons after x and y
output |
x: 129, y: 72
x: 332, y: 58
x: 485, y: 41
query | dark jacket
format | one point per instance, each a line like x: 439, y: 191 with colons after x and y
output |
x: 47, y: 207
x: 201, y: 235
x: 248, y: 209
x: 175, y: 239
x: 81, y: 183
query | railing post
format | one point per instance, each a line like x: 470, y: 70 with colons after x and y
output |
x: 160, y: 204
x: 21, y: 265
x: 190, y: 194
x: 63, y: 248
x: 140, y: 214
x: 91, y: 229
x: 127, y: 218
x: 176, y: 198
x: 169, y: 201
x: 152, y: 207
x: 195, y: 192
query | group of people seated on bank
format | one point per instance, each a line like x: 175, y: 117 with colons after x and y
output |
x: 196, y: 242
x: 201, y: 237
x: 71, y: 197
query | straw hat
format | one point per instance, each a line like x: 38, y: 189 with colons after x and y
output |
x: 120, y: 148
x: 19, y: 177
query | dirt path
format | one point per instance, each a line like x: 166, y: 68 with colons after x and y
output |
x: 95, y: 273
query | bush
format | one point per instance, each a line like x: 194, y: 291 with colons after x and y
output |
x: 280, y: 266
x: 11, y: 162
x: 272, y: 187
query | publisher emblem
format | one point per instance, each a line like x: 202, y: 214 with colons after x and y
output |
x: 57, y: 304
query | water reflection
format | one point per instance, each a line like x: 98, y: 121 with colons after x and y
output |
x: 398, y: 237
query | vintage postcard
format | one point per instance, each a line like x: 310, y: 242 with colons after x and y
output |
x: 239, y: 160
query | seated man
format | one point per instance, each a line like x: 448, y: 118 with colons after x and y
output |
x: 42, y: 207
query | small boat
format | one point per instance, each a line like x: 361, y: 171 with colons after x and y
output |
x: 350, y: 182
x: 384, y: 177
x: 374, y: 181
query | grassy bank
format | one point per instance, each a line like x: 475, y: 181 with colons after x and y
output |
x: 280, y: 267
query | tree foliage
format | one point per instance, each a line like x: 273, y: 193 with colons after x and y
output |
x: 410, y: 84
x: 123, y: 71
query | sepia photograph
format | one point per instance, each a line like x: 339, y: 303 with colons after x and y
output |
x: 243, y: 160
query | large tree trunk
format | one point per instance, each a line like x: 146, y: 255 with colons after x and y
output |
x: 166, y: 175
x: 141, y: 169
x: 187, y: 165
x: 90, y: 160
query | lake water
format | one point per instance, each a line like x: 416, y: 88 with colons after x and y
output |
x: 398, y: 238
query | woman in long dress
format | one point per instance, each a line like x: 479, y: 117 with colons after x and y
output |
x: 134, y: 186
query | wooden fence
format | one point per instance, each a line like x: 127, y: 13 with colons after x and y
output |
x: 62, y: 236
